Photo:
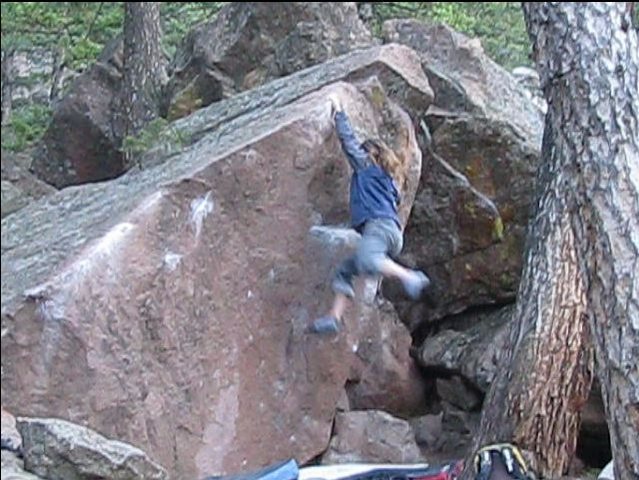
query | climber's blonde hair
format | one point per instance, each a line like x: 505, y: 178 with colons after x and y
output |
x: 384, y: 157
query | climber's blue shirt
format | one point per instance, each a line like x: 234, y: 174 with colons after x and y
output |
x: 373, y: 192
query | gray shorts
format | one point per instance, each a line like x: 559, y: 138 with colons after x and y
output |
x: 381, y: 238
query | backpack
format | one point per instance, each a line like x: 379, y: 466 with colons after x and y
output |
x: 501, y: 461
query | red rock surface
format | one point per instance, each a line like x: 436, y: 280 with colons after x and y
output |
x: 167, y: 308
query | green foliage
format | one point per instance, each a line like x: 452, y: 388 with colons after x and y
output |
x: 81, y: 29
x: 154, y: 132
x: 454, y: 14
x: 26, y: 126
x: 78, y: 31
x: 498, y: 229
x: 499, y: 25
x: 179, y: 17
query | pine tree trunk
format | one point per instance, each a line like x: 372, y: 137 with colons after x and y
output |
x: 582, y: 261
x: 366, y: 12
x: 8, y: 78
x: 588, y: 62
x: 545, y: 374
x: 57, y: 73
x: 144, y: 68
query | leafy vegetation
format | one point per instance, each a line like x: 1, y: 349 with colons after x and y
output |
x: 151, y: 134
x: 74, y: 34
x: 27, y: 126
x: 499, y: 25
x: 79, y: 30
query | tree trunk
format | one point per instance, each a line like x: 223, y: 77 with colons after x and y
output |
x: 57, y: 72
x: 8, y: 77
x: 366, y: 12
x: 144, y: 68
x: 582, y: 255
x: 588, y: 63
x: 545, y: 374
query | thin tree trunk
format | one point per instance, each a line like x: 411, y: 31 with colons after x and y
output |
x: 589, y: 65
x: 8, y: 77
x: 57, y: 71
x: 366, y: 12
x: 144, y: 68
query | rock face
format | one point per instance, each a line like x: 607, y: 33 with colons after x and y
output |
x: 59, y: 450
x: 454, y: 391
x: 473, y: 352
x: 246, y: 45
x: 372, y: 436
x: 485, y: 133
x: 34, y: 79
x: 428, y: 430
x: 79, y: 146
x: 459, y: 429
x: 56, y: 449
x: 13, y: 468
x: 463, y: 228
x: 11, y: 439
x: 12, y: 462
x: 251, y: 43
x: 529, y: 79
x: 19, y: 186
x: 464, y: 78
x: 168, y: 308
x: 385, y: 377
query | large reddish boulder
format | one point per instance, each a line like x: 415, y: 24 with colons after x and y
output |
x: 168, y: 308
x: 386, y: 378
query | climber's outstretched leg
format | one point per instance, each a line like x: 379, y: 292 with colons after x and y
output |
x: 343, y: 287
x: 414, y: 281
x: 381, y: 238
x: 381, y: 242
x: 331, y: 323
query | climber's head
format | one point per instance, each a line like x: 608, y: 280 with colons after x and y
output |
x: 384, y: 157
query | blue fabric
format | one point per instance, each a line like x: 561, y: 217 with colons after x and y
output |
x: 381, y: 239
x: 373, y: 192
x: 357, y: 156
x: 283, y: 470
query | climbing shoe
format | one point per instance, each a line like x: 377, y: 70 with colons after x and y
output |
x: 325, y: 325
x: 416, y: 284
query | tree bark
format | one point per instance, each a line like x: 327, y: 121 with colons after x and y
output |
x: 8, y: 78
x: 588, y: 63
x: 366, y: 12
x: 582, y: 259
x: 144, y: 68
x: 545, y: 375
x: 57, y: 72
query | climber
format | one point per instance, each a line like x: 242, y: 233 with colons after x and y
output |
x: 374, y: 197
